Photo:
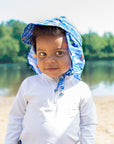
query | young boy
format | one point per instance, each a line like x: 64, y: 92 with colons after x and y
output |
x: 55, y: 106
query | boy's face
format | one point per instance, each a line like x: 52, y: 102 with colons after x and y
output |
x: 52, y: 55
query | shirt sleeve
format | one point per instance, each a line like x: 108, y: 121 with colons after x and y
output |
x: 88, y: 118
x: 16, y: 115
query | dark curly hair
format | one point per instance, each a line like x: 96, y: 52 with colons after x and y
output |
x: 40, y: 30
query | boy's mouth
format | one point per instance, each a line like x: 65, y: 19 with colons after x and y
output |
x: 51, y: 69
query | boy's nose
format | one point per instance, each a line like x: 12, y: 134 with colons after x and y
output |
x: 50, y: 59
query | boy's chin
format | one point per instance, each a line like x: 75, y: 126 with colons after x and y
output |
x: 55, y: 77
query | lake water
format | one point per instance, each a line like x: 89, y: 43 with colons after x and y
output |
x: 99, y: 75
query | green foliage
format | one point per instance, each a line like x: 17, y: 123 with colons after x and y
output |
x: 17, y: 29
x: 4, y: 30
x: 12, y: 49
x: 97, y: 47
x: 109, y: 38
x: 9, y: 48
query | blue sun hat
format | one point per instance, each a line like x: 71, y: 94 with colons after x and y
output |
x: 74, y: 46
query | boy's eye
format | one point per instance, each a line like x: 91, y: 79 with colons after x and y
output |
x: 42, y: 54
x: 59, y: 53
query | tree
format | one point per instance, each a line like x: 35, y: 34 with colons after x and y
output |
x: 4, y: 30
x: 93, y: 45
x: 17, y: 29
x: 109, y: 38
x: 9, y: 48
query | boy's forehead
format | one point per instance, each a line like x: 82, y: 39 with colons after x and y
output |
x: 50, y: 41
x: 51, y: 37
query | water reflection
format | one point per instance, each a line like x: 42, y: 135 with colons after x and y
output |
x: 11, y: 76
x: 97, y: 74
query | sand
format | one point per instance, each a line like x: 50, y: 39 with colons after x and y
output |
x: 105, y: 114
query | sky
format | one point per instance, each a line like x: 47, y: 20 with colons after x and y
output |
x: 85, y: 15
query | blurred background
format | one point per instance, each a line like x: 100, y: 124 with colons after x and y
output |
x: 93, y: 19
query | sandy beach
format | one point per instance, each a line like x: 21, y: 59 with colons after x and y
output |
x: 105, y: 114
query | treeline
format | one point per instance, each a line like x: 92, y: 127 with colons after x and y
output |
x: 98, y: 47
x: 12, y: 49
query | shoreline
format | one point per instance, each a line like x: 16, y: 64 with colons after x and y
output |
x: 105, y: 116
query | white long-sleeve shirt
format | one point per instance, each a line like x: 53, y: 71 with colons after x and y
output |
x: 41, y: 116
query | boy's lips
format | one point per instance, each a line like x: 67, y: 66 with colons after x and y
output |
x: 51, y: 69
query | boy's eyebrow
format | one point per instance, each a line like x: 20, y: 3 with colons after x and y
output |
x: 41, y: 50
x: 61, y: 48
